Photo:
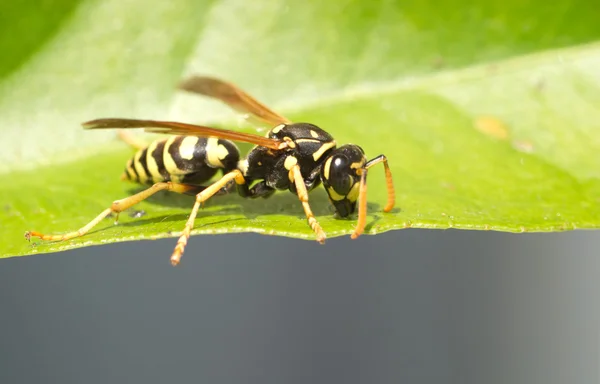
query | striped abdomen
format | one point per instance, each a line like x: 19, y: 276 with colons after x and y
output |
x: 182, y: 159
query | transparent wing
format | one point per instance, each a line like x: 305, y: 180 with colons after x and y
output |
x: 232, y: 96
x: 175, y: 128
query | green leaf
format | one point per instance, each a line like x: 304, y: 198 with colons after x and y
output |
x: 488, y: 112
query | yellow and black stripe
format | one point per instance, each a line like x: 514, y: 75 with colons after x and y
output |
x: 182, y: 159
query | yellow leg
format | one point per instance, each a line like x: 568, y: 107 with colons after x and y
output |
x: 303, y: 196
x: 116, y: 207
x: 362, y: 206
x: 129, y: 139
x: 362, y: 196
x: 200, y: 199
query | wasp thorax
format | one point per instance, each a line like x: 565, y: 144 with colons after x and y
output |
x: 341, y: 177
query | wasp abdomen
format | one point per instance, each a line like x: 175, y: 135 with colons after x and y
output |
x: 182, y: 159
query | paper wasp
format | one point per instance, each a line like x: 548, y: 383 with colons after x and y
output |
x: 293, y: 156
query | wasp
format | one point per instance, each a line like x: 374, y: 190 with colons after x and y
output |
x: 293, y: 156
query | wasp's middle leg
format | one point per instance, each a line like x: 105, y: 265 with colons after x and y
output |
x: 200, y: 199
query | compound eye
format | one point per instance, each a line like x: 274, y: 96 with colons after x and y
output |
x: 339, y: 175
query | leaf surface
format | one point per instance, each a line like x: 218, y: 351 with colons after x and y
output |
x: 488, y: 113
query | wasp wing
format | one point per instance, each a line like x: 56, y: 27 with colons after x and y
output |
x: 175, y: 128
x: 232, y: 96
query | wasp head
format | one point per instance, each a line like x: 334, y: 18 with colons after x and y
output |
x: 341, y: 177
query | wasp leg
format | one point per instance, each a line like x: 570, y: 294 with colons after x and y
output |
x: 200, y: 199
x: 362, y: 195
x: 362, y: 205
x: 130, y: 139
x: 296, y: 176
x: 116, y: 207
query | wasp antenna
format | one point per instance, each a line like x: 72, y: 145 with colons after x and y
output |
x: 388, y: 178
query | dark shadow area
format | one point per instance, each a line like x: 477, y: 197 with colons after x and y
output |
x: 281, y: 202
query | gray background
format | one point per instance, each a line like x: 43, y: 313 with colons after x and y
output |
x: 411, y: 306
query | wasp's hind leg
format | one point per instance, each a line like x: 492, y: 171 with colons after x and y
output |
x: 117, y: 207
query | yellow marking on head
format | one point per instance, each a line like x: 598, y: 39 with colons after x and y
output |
x: 289, y: 142
x: 170, y: 165
x: 139, y: 168
x: 278, y: 128
x: 212, y: 152
x: 326, y: 169
x: 307, y: 141
x: 289, y: 162
x: 353, y: 194
x: 243, y: 166
x: 334, y: 195
x: 130, y: 170
x: 222, y: 152
x: 324, y: 148
x: 151, y: 162
x: 187, y: 147
x: 314, y: 134
x: 358, y: 164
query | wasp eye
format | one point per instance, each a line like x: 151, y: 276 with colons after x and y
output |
x: 341, y: 180
x: 339, y: 175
